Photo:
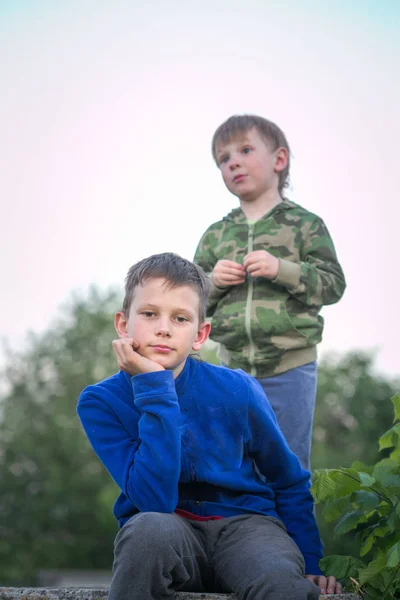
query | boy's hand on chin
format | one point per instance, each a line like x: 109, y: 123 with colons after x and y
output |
x: 131, y: 361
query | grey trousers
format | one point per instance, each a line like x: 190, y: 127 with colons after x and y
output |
x: 157, y: 554
x: 292, y: 396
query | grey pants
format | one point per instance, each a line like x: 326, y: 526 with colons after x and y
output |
x: 157, y: 554
x: 292, y: 396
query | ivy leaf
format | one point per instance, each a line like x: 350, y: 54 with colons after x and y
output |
x: 347, y: 480
x: 366, y: 547
x: 390, y: 438
x: 392, y: 492
x: 365, y: 500
x: 393, y: 521
x: 372, y: 570
x: 341, y: 566
x: 373, y: 589
x: 350, y: 471
x: 359, y: 466
x: 387, y: 577
x: 395, y: 454
x: 366, y: 480
x: 380, y: 532
x: 396, y: 404
x: 348, y: 522
x: 393, y: 559
x: 385, y: 473
x: 323, y: 485
x: 335, y: 507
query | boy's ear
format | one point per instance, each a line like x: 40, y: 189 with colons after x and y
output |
x: 121, y: 324
x: 281, y: 159
x: 202, y: 336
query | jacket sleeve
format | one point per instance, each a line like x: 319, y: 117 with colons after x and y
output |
x: 147, y: 466
x: 206, y: 259
x: 318, y: 279
x: 288, y: 480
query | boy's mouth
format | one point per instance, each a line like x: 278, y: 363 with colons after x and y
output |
x: 238, y: 178
x: 161, y: 348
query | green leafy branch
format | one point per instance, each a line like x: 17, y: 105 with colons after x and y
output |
x: 365, y: 500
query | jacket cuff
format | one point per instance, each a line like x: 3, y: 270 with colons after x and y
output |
x: 288, y: 274
x: 312, y: 565
x: 155, y: 382
x: 216, y: 292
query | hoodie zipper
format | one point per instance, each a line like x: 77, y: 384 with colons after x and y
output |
x: 249, y: 303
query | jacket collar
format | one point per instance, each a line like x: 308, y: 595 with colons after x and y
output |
x: 237, y: 215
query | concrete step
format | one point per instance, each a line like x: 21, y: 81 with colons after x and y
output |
x: 102, y: 594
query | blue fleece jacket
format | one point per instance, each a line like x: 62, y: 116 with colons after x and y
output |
x: 207, y: 442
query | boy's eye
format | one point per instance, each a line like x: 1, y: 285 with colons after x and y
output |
x: 182, y: 319
x: 148, y: 313
x: 223, y: 159
x: 246, y: 150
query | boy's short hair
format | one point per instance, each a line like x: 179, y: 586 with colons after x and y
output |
x: 175, y: 269
x: 273, y: 135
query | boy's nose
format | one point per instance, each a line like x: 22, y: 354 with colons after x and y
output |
x: 163, y: 330
x: 234, y: 164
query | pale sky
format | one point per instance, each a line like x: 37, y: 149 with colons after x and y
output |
x: 107, y: 109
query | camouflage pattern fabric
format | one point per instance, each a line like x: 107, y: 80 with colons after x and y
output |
x: 267, y: 327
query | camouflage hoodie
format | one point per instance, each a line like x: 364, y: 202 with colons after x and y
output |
x: 267, y: 327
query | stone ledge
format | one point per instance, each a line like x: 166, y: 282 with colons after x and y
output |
x: 9, y: 593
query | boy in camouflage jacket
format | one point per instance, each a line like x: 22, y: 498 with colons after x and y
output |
x: 273, y: 266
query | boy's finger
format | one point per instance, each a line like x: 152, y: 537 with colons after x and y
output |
x: 235, y: 269
x: 132, y: 342
x: 229, y: 264
x: 237, y: 282
x: 118, y: 355
x: 228, y: 277
x: 321, y: 582
x: 116, y: 346
x: 250, y: 260
x: 252, y: 255
x: 332, y: 585
x: 253, y: 269
x: 123, y: 349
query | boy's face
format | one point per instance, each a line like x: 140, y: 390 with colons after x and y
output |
x: 248, y: 166
x: 165, y: 323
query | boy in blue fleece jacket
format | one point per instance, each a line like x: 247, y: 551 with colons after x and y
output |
x: 212, y: 498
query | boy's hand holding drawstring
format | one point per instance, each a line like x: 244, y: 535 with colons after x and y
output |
x: 261, y: 263
x: 227, y: 272
x: 131, y: 361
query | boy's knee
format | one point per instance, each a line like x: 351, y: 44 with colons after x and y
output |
x: 147, y: 529
x: 278, y: 569
x: 282, y: 582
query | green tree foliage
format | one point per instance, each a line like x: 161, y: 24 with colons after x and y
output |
x: 55, y: 508
x: 208, y: 353
x: 353, y: 409
x: 365, y: 500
